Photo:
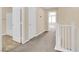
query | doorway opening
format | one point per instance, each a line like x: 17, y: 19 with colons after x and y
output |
x: 52, y: 20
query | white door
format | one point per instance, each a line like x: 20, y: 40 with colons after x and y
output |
x: 16, y: 24
x: 32, y: 22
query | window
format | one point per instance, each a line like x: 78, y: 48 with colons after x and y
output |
x: 52, y: 17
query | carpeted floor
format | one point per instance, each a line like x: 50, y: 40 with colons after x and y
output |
x: 8, y: 44
x: 43, y: 43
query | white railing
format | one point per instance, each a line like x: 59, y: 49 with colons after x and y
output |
x: 65, y: 37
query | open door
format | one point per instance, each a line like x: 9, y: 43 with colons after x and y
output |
x: 16, y: 24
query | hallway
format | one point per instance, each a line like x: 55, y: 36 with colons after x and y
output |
x: 42, y: 43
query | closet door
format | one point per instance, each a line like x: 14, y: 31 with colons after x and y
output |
x: 16, y: 24
x: 32, y: 22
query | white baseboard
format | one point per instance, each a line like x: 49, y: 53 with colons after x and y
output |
x: 33, y: 37
x: 16, y: 40
x: 39, y: 33
x: 26, y: 41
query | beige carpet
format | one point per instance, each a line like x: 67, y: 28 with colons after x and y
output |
x: 8, y: 44
x: 43, y: 43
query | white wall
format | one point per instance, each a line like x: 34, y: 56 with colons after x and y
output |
x: 42, y: 20
x: 38, y: 21
x: 9, y: 24
x: 33, y: 25
x: 0, y: 29
x: 16, y: 19
x: 28, y: 15
x: 6, y: 11
x: 32, y: 21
